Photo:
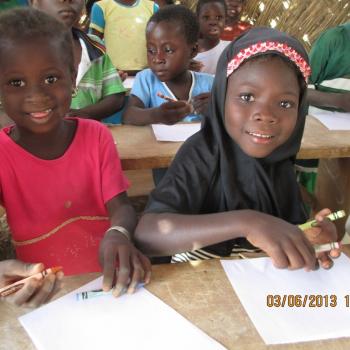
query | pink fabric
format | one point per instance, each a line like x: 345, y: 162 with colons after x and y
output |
x: 40, y: 195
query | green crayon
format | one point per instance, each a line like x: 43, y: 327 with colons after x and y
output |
x: 333, y: 216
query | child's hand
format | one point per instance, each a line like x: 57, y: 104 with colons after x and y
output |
x: 123, y: 75
x: 34, y: 292
x: 285, y: 243
x: 172, y: 112
x: 132, y: 266
x: 200, y: 102
x: 324, y: 232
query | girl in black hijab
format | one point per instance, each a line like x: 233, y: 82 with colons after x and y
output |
x: 232, y: 186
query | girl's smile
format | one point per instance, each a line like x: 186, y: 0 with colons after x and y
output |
x: 258, y: 137
x: 41, y: 117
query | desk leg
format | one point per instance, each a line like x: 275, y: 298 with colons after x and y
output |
x: 333, y: 187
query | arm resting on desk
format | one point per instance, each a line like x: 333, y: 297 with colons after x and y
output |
x: 329, y: 99
x: 136, y: 113
x: 123, y: 265
x: 167, y: 113
x: 168, y: 233
x: 102, y: 109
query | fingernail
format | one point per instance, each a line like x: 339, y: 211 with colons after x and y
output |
x: 328, y: 265
x: 119, y: 290
x: 131, y: 290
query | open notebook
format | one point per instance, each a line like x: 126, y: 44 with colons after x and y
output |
x: 137, y: 321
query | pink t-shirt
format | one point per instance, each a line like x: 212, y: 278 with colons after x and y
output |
x: 56, y: 208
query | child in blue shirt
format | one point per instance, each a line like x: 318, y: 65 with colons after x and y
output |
x: 171, y: 37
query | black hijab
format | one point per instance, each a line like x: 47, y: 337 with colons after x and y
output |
x: 212, y: 174
x: 261, y: 183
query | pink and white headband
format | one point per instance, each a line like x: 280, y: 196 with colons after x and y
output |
x: 261, y: 47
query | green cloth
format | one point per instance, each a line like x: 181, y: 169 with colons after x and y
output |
x: 8, y: 4
x: 330, y: 65
x: 101, y: 80
x: 330, y: 60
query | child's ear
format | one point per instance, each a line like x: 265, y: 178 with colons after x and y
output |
x: 194, y: 50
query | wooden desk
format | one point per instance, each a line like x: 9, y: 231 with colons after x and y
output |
x: 138, y: 148
x: 200, y: 291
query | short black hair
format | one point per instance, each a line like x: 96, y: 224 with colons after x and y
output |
x: 183, y: 17
x: 27, y: 23
x: 201, y: 3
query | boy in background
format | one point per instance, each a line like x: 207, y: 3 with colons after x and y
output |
x: 234, y: 26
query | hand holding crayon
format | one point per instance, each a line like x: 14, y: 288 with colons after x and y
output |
x: 173, y: 111
x: 322, y: 233
x: 27, y: 284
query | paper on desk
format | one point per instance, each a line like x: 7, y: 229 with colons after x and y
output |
x: 254, y: 279
x: 138, y: 321
x: 177, y: 132
x: 332, y: 120
x: 128, y: 82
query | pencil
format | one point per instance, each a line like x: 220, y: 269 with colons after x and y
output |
x: 14, y: 287
x: 333, y: 216
x: 164, y: 97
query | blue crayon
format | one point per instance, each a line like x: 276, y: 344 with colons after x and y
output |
x: 99, y: 293
x: 92, y: 294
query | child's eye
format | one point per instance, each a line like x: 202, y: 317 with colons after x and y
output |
x: 206, y: 18
x: 286, y: 104
x: 51, y: 79
x: 246, y: 97
x: 17, y: 83
x: 169, y: 50
x: 151, y: 51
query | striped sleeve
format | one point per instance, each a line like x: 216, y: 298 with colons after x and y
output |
x: 97, y: 19
x: 112, y: 83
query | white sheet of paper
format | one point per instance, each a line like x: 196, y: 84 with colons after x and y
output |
x: 332, y: 120
x: 176, y: 133
x: 254, y: 279
x: 138, y: 321
x: 128, y: 82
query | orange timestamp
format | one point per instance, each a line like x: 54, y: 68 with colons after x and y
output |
x: 307, y: 300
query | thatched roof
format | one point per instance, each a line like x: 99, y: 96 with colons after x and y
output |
x: 304, y: 19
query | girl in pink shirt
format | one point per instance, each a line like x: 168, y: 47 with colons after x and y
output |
x: 60, y: 178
